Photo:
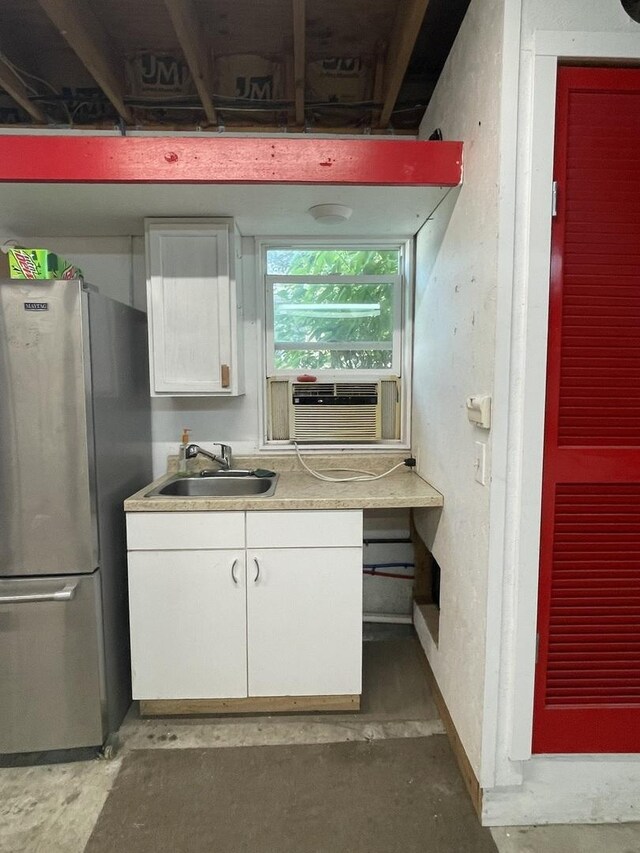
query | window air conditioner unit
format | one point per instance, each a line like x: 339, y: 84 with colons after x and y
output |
x: 334, y: 411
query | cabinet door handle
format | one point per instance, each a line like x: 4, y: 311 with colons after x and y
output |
x: 257, y: 577
x: 233, y: 571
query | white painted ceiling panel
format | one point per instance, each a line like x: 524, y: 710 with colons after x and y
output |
x: 65, y: 210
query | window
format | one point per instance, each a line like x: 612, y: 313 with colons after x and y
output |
x: 333, y: 309
x: 339, y: 313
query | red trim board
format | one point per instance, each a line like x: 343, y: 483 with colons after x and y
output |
x: 211, y: 160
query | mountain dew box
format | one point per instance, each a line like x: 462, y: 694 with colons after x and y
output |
x: 39, y: 264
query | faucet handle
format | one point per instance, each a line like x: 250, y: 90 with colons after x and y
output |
x: 226, y: 452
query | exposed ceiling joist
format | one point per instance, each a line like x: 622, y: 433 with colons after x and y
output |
x: 15, y: 88
x: 378, y: 81
x: 189, y: 31
x: 263, y: 57
x: 299, y: 60
x: 85, y: 35
x: 405, y: 32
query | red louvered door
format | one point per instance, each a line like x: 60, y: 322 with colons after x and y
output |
x: 587, y: 694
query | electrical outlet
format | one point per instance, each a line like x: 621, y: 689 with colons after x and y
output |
x: 480, y: 462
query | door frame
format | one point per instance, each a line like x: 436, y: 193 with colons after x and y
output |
x: 516, y: 608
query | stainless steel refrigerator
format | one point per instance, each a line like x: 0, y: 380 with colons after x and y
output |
x: 74, y: 443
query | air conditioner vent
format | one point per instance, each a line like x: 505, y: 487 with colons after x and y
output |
x: 313, y: 389
x: 335, y: 423
x: 334, y: 389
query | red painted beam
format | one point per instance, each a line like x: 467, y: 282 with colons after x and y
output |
x: 212, y: 160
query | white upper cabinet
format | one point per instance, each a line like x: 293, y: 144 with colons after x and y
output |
x: 195, y: 319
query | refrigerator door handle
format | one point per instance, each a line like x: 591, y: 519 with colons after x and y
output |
x: 64, y: 594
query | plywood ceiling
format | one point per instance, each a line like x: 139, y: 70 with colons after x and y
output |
x: 347, y: 66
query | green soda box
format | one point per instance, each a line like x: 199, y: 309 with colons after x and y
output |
x: 39, y: 264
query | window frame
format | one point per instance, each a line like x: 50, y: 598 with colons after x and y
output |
x: 399, y: 280
x: 406, y: 247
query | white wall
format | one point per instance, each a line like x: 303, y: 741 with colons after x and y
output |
x: 110, y: 263
x: 454, y: 358
x: 574, y: 15
x: 116, y: 266
x: 485, y: 541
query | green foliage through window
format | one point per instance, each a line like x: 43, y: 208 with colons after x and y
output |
x: 330, y: 317
x: 333, y: 261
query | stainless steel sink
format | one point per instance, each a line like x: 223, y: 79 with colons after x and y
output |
x: 226, y: 485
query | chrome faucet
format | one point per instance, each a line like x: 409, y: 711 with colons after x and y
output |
x: 225, y: 460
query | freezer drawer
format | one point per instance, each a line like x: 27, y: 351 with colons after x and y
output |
x: 50, y: 663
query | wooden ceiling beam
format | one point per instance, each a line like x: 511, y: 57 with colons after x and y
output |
x: 15, y: 88
x: 299, y: 58
x: 407, y: 25
x: 185, y: 22
x: 218, y: 159
x: 378, y: 81
x: 87, y: 38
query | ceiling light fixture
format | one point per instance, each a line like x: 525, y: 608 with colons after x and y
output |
x: 330, y: 214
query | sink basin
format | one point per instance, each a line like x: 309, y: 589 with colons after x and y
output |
x: 228, y: 486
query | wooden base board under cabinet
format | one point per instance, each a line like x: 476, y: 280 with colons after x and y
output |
x: 464, y: 765
x: 248, y: 705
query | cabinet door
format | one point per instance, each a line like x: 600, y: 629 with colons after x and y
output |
x: 304, y: 614
x: 191, y: 311
x: 188, y: 624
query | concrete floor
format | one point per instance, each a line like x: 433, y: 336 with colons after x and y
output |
x: 53, y: 808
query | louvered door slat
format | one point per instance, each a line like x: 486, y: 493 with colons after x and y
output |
x: 587, y: 694
x: 597, y: 327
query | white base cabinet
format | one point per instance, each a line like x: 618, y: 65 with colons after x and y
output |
x: 183, y: 604
x: 304, y: 621
x: 261, y: 620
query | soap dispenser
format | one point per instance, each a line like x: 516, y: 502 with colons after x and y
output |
x: 182, y: 451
